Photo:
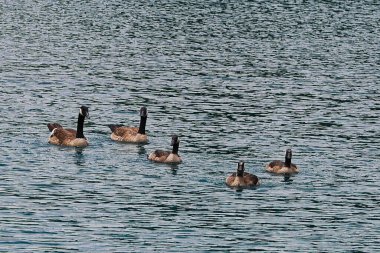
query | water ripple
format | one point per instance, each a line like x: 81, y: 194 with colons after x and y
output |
x: 235, y: 80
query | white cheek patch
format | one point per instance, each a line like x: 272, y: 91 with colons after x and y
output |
x: 80, y: 111
x: 53, y: 132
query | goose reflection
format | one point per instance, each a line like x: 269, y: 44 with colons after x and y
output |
x: 288, y: 178
x: 79, y: 157
x: 173, y: 168
x: 141, y: 149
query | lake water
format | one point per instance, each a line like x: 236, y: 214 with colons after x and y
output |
x: 236, y: 80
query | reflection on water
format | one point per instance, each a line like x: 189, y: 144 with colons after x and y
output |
x: 287, y: 178
x: 80, y: 158
x: 173, y: 168
x: 142, y: 150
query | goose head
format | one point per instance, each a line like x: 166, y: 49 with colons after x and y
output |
x: 143, y: 112
x: 84, y: 111
x: 240, y: 169
x: 175, y: 140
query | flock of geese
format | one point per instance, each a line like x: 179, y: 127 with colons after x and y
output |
x: 239, y: 179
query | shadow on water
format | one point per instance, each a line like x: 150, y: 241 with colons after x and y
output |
x: 287, y: 178
x: 79, y: 157
x: 173, y: 168
x: 141, y: 149
x: 173, y: 171
x: 131, y: 147
x: 241, y: 189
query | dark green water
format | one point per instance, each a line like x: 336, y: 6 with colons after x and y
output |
x: 236, y: 80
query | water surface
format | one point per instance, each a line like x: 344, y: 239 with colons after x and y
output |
x: 235, y: 80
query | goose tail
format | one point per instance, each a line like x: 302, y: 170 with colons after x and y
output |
x: 114, y: 127
x: 52, y: 126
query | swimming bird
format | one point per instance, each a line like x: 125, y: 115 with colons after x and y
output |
x: 242, y: 179
x: 162, y: 156
x: 281, y: 167
x: 69, y: 137
x: 131, y: 134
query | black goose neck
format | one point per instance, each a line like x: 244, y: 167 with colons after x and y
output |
x: 175, y: 148
x: 80, y: 126
x: 240, y: 169
x: 240, y: 173
x: 288, y: 161
x: 142, y: 125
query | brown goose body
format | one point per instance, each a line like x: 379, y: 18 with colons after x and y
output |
x: 131, y: 134
x: 127, y: 134
x: 69, y: 137
x: 281, y: 167
x: 66, y: 137
x: 241, y: 179
x: 163, y: 156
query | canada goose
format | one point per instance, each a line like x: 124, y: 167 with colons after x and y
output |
x: 162, y: 156
x: 242, y: 179
x: 69, y: 137
x: 131, y: 134
x: 281, y: 167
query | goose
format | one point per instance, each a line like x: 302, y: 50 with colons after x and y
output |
x: 242, y: 179
x: 162, y: 156
x: 69, y: 137
x: 131, y: 134
x: 281, y: 167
